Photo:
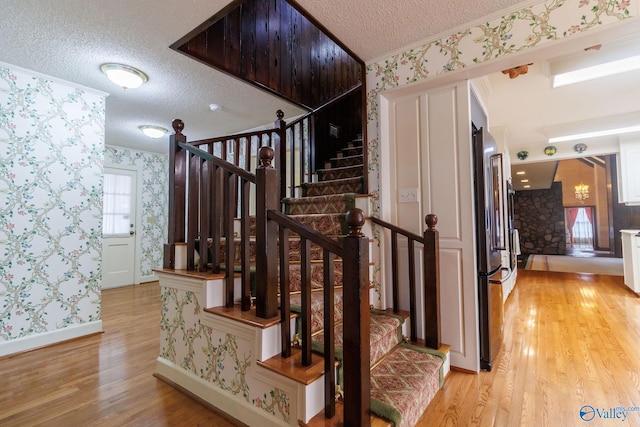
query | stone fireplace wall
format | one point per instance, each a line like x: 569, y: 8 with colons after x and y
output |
x: 539, y: 218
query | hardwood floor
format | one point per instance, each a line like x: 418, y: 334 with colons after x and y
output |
x: 570, y: 340
x: 102, y: 380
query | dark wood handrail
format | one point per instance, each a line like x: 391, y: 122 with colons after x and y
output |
x: 228, y: 166
x: 325, y: 105
x: 397, y: 229
x: 307, y: 232
x: 431, y: 277
x: 231, y: 137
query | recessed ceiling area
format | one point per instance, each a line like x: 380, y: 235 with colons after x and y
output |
x: 537, y: 176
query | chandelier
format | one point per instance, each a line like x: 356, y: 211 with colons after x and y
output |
x: 582, y: 192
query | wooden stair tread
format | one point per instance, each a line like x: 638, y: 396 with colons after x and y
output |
x: 246, y: 317
x: 292, y: 367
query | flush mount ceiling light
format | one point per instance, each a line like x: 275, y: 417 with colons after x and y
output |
x: 597, y: 71
x: 585, y: 135
x: 124, y: 76
x: 154, y: 132
x: 215, y: 107
x: 595, y: 62
x: 600, y: 127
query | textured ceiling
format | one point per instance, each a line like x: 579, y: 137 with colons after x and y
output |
x: 69, y: 39
x: 373, y: 28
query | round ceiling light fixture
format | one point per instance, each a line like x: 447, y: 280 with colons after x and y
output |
x: 215, y: 107
x: 154, y: 132
x: 124, y: 76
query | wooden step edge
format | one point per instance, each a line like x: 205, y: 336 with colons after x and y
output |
x: 246, y: 317
x: 204, y: 275
x: 347, y: 157
x: 337, y: 421
x: 291, y: 367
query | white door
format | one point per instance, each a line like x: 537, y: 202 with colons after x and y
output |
x: 118, y: 228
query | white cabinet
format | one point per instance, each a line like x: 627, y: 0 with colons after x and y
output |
x: 628, y: 172
x: 631, y: 258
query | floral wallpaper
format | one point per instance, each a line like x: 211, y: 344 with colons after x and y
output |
x: 218, y: 357
x: 533, y: 26
x: 152, y: 208
x: 530, y: 27
x: 51, y: 157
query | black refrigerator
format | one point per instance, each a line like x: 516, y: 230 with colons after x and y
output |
x: 490, y: 238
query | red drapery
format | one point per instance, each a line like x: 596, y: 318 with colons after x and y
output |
x: 572, y: 214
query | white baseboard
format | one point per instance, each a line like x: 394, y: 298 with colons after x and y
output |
x: 151, y: 278
x: 44, y: 339
x: 234, y: 407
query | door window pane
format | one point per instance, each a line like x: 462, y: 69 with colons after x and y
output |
x: 116, y: 208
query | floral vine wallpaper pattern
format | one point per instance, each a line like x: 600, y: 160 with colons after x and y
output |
x: 217, y: 357
x: 152, y: 206
x: 51, y: 157
x: 527, y: 28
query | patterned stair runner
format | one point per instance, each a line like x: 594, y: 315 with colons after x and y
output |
x: 404, y: 378
x: 404, y: 382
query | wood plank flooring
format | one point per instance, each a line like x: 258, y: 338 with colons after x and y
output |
x: 102, y: 380
x: 570, y: 340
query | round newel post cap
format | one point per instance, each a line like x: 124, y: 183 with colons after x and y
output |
x: 266, y: 156
x: 178, y: 126
x: 431, y: 221
x: 355, y: 221
x: 280, y: 114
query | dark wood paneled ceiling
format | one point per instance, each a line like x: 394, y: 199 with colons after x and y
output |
x: 273, y: 44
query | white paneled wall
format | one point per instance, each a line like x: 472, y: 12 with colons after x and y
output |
x: 428, y: 138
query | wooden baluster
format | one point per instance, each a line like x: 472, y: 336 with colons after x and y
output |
x: 413, y: 324
x: 311, y: 142
x: 216, y: 217
x: 329, y: 327
x: 193, y: 211
x: 285, y: 300
x: 229, y: 207
x: 280, y: 147
x: 431, y: 283
x: 177, y: 191
x: 357, y: 384
x: 246, y: 246
x: 266, y: 236
x: 305, y: 284
x: 205, y: 214
x: 395, y: 281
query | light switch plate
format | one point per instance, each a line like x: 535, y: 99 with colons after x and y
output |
x: 408, y: 195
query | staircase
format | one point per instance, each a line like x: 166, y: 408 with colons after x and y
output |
x: 404, y: 377
x: 229, y: 357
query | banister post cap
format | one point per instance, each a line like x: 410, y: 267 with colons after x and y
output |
x: 178, y: 126
x: 280, y: 114
x: 355, y: 221
x: 431, y: 221
x: 266, y: 156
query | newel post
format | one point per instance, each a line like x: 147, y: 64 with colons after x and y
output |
x: 280, y: 147
x: 177, y: 194
x: 357, y: 383
x: 431, y: 283
x: 266, y: 236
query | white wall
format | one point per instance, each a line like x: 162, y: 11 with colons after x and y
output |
x: 434, y: 126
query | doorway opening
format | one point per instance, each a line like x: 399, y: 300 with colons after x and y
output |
x: 118, y: 228
x: 580, y: 229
